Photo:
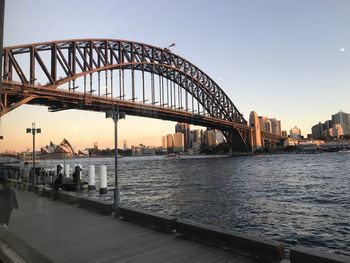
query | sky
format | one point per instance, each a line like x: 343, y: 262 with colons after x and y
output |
x: 284, y: 59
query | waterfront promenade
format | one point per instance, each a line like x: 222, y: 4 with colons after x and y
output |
x: 59, y: 231
x: 66, y: 233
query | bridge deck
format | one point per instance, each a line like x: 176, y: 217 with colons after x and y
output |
x: 65, y: 233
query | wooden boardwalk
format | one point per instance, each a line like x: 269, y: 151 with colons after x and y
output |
x: 66, y: 233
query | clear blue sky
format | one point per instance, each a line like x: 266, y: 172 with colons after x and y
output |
x: 279, y: 58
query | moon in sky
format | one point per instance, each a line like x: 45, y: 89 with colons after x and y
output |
x: 342, y: 49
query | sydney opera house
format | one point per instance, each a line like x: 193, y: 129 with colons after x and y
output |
x: 58, y: 151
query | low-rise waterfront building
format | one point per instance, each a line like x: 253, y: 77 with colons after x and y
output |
x: 290, y: 142
x: 295, y: 133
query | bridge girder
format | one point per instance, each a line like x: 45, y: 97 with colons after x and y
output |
x: 78, y: 58
x: 62, y: 63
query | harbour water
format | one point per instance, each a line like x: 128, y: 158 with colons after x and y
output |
x: 297, y: 199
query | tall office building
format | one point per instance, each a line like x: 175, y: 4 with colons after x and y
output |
x: 169, y: 142
x: 338, y: 126
x: 184, y: 128
x: 327, y: 125
x: 343, y: 119
x: 198, y: 134
x: 179, y: 145
x: 276, y: 126
x: 317, y: 131
x: 265, y: 124
x: 338, y: 130
x: 219, y: 137
x: 164, y: 143
x: 340, y: 118
x: 211, y: 137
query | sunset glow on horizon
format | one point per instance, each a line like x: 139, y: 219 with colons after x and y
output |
x: 283, y: 60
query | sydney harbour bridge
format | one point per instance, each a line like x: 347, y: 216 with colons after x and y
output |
x: 137, y: 78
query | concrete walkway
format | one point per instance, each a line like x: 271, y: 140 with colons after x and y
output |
x: 66, y: 233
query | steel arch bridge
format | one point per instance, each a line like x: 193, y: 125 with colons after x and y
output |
x: 101, y: 74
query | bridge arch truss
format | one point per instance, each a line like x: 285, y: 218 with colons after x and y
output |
x: 91, y: 72
x: 62, y: 62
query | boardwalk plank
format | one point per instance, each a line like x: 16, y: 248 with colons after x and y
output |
x: 66, y: 233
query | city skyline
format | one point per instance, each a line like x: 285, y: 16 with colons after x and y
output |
x: 286, y: 75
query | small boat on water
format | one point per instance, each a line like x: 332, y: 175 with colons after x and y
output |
x: 344, y: 151
x: 172, y: 155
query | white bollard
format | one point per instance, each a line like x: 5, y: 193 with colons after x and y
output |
x: 66, y: 170
x: 81, y: 173
x: 103, y: 179
x: 91, y: 177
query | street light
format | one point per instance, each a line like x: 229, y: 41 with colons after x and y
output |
x: 34, y: 131
x: 116, y: 115
x: 168, y: 48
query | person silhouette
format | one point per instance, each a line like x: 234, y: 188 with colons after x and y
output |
x: 8, y: 200
x: 58, y: 183
x: 25, y: 177
x: 76, y: 178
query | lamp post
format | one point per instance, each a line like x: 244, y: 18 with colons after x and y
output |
x: 116, y: 115
x: 168, y: 48
x: 34, y: 131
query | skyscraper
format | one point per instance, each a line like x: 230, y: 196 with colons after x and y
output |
x: 339, y: 125
x: 343, y: 119
x: 210, y: 137
x: 184, y: 128
x: 169, y: 143
x: 338, y: 130
x: 164, y: 143
x: 219, y: 137
x: 198, y: 135
x: 276, y: 126
x: 317, y: 131
x: 179, y: 142
x: 265, y: 124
